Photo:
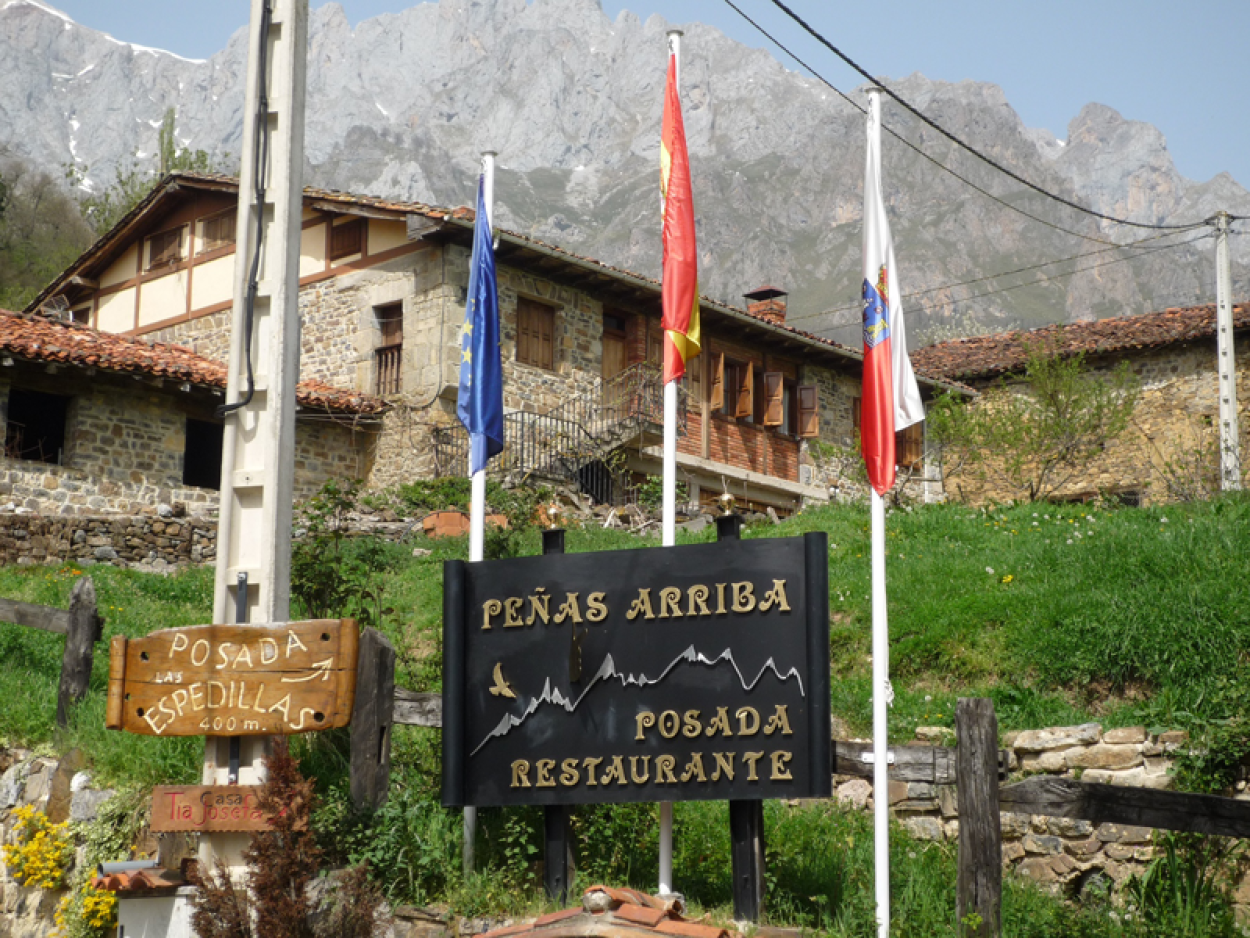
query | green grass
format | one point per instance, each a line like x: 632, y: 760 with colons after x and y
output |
x: 1060, y: 614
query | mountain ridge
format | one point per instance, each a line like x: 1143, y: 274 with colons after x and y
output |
x: 402, y: 104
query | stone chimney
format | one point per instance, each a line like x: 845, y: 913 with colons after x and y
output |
x: 767, y: 302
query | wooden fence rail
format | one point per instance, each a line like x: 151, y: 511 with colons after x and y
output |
x: 82, y: 627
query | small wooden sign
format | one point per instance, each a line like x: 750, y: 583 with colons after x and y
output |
x: 234, y: 680
x: 207, y: 808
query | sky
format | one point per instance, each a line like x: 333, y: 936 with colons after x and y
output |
x: 1180, y: 66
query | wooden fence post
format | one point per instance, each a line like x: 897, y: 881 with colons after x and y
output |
x: 80, y: 638
x: 372, y: 714
x: 978, y: 897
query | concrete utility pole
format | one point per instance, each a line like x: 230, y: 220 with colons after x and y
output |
x: 1230, y: 445
x: 257, y: 471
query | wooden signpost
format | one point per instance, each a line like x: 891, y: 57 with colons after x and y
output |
x: 207, y: 808
x: 234, y: 680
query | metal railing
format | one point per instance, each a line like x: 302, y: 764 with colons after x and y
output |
x: 571, y: 442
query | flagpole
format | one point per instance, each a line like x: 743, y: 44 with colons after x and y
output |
x: 880, y: 721
x: 477, y: 508
x: 668, y: 530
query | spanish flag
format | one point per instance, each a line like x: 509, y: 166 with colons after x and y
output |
x: 681, y: 259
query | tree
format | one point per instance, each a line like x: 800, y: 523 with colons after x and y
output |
x: 130, y: 185
x: 41, y: 232
x: 1035, y: 434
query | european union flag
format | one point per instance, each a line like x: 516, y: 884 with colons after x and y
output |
x: 480, y: 402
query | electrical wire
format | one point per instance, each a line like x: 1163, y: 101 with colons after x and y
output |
x: 1017, y: 286
x: 907, y: 143
x: 260, y: 161
x: 1019, y: 270
x: 815, y: 34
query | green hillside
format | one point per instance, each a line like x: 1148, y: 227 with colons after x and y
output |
x: 1060, y: 614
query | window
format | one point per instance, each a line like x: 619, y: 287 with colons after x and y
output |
x: 535, y: 328
x: 201, y: 455
x: 35, y: 428
x: 165, y: 249
x: 390, y: 351
x: 217, y: 231
x: 347, y: 239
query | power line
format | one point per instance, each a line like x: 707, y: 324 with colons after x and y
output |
x: 1021, y: 270
x: 907, y: 143
x: 815, y: 34
x: 1017, y: 286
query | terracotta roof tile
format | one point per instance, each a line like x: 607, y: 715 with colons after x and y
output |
x: 554, y: 917
x: 690, y: 929
x: 988, y: 356
x: 510, y: 930
x: 139, y: 881
x: 40, y: 339
x: 641, y: 915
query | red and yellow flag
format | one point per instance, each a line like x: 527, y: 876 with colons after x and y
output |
x: 680, y: 280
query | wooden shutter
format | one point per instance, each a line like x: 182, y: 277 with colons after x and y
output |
x: 746, y: 391
x: 909, y: 446
x: 347, y: 239
x: 774, y: 398
x: 218, y: 230
x: 535, y: 343
x: 165, y: 248
x: 809, y: 411
x: 717, y: 400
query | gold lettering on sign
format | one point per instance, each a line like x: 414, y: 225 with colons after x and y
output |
x: 750, y: 758
x: 521, y: 774
x: 724, y: 766
x: 544, y: 767
x: 780, y: 772
x: 569, y: 610
x: 694, y: 768
x: 670, y: 599
x: 744, y: 597
x: 615, y: 772
x: 670, y: 723
x: 664, y: 770
x: 641, y: 606
x: 589, y: 764
x: 512, y: 612
x: 775, y: 597
x: 569, y: 776
x: 537, y: 611
x: 640, y: 778
x: 720, y: 723
x: 644, y: 720
x: 692, y: 727
x: 696, y: 601
x: 748, y: 721
x: 596, y: 609
x: 778, y: 721
x: 492, y: 607
x: 720, y: 599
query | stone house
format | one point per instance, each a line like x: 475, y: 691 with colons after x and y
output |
x: 1170, y: 449
x: 96, y: 423
x: 382, y: 293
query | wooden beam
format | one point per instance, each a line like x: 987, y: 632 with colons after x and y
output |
x: 416, y: 709
x: 35, y: 617
x: 1115, y: 804
x: 979, y: 881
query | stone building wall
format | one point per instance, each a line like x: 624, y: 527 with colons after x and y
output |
x: 124, y: 453
x: 1171, y: 444
x: 158, y: 541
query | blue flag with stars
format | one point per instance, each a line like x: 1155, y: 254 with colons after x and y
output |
x: 480, y: 402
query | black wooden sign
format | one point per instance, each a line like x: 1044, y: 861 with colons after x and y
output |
x: 663, y: 674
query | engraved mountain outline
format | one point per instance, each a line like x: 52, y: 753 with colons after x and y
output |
x: 607, y: 670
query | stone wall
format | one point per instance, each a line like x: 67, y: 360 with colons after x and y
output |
x: 157, y: 541
x: 1171, y: 445
x: 1057, y: 852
